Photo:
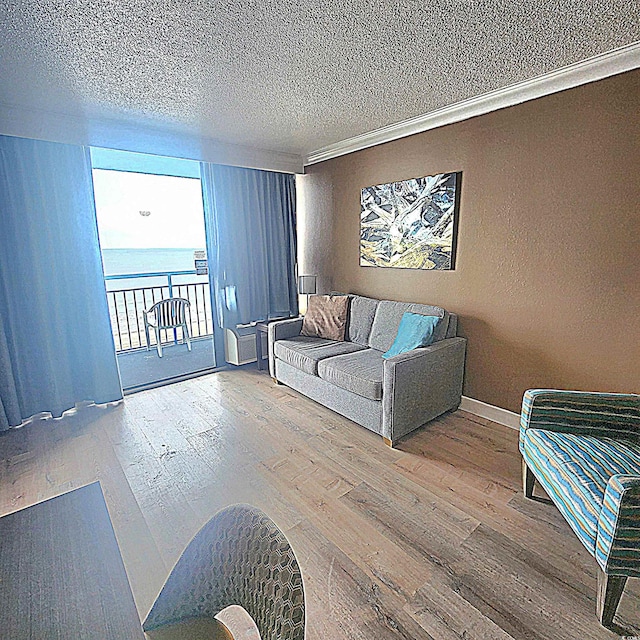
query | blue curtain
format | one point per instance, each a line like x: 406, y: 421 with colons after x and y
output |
x: 251, y: 243
x: 56, y: 346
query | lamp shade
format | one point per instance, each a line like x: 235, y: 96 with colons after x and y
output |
x: 307, y: 284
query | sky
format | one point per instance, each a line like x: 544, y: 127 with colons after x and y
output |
x: 176, y: 219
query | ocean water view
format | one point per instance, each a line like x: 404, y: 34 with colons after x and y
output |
x: 130, y: 261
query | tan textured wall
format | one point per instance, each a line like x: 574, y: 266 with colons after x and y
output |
x: 547, y: 281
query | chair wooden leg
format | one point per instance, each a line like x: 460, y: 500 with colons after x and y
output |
x: 528, y: 480
x: 610, y: 590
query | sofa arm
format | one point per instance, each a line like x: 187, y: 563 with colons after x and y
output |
x: 618, y: 540
x: 421, y: 384
x: 280, y: 330
x: 613, y: 415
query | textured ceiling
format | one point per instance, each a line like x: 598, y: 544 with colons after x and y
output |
x: 288, y: 75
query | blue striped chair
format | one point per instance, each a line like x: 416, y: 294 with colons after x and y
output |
x: 584, y: 450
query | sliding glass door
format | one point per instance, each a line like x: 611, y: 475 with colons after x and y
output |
x: 151, y: 226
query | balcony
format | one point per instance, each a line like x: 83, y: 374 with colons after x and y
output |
x: 128, y: 296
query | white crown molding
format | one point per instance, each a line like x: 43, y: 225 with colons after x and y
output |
x: 137, y: 136
x: 490, y: 412
x: 592, y: 69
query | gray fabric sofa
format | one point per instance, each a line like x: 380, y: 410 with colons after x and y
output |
x: 392, y: 397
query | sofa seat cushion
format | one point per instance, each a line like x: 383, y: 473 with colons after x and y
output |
x: 304, y: 352
x: 574, y: 471
x: 359, y: 372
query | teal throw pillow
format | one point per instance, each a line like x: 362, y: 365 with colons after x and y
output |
x: 415, y: 331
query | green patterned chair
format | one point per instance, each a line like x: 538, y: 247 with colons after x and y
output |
x: 584, y: 450
x: 239, y: 557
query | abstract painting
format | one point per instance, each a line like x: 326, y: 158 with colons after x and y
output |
x: 410, y: 224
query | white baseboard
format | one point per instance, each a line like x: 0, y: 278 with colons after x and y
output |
x: 490, y: 412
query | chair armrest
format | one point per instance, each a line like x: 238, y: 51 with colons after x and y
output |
x: 612, y: 415
x: 280, y: 330
x: 618, y: 540
x: 421, y: 384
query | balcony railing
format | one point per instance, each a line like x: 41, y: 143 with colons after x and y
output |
x: 126, y: 307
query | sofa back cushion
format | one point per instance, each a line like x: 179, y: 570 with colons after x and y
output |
x: 361, y: 314
x: 452, y: 327
x: 387, y: 320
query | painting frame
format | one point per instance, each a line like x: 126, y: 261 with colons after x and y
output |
x: 411, y: 223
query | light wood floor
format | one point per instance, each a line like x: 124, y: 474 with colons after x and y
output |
x: 429, y: 540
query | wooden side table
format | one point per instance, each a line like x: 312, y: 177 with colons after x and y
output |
x: 262, y: 333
